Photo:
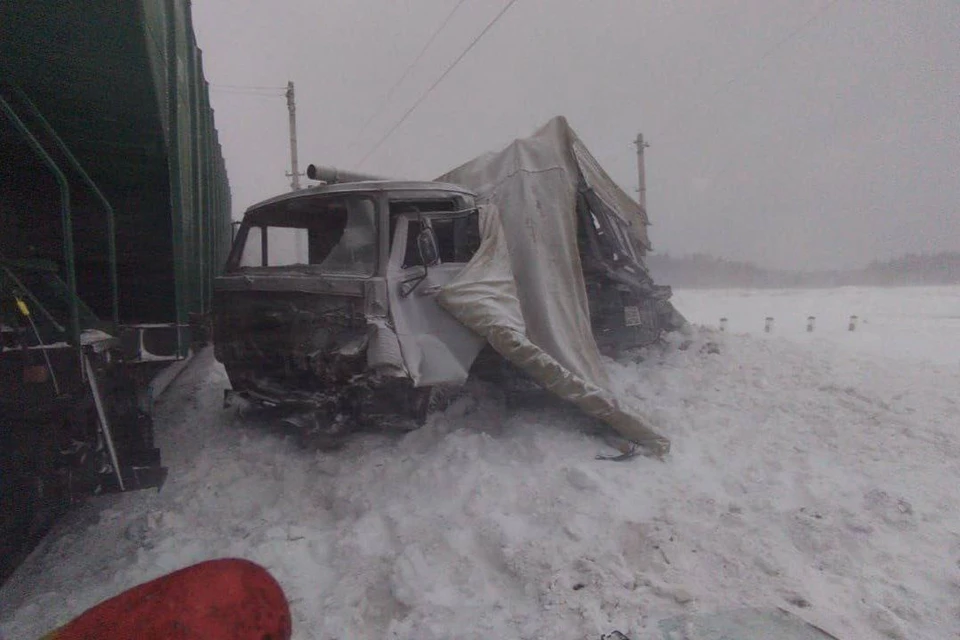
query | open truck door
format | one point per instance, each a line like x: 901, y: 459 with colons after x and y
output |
x: 426, y: 253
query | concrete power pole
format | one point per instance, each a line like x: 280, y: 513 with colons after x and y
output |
x: 641, y: 172
x: 299, y: 253
x: 292, y: 108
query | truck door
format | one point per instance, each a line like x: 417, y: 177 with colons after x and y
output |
x: 436, y: 348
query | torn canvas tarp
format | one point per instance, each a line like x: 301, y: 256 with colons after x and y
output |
x: 524, y: 289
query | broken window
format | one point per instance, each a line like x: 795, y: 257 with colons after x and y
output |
x: 458, y: 233
x: 354, y: 250
x: 252, y: 255
x: 287, y: 246
x: 458, y: 238
x: 338, y: 236
x: 606, y: 233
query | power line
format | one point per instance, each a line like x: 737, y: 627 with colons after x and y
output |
x: 766, y: 54
x: 386, y: 99
x: 426, y: 93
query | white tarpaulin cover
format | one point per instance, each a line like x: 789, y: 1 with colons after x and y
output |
x: 524, y: 288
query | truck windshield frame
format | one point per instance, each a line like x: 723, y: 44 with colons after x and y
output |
x: 335, y: 236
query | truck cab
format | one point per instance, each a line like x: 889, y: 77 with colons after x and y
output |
x: 326, y: 305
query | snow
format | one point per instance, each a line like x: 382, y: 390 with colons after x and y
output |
x: 817, y: 472
x: 920, y: 324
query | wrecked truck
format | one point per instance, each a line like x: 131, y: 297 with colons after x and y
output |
x: 368, y: 301
x: 322, y: 282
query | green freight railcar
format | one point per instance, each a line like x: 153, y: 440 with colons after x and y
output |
x: 122, y: 85
x: 114, y: 220
x: 201, y: 233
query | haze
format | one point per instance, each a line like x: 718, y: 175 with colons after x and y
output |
x: 798, y: 135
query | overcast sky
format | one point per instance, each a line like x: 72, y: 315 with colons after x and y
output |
x: 839, y: 146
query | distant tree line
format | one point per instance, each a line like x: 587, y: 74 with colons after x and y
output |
x: 705, y: 271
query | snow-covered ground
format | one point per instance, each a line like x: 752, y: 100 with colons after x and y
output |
x: 919, y: 324
x: 817, y: 472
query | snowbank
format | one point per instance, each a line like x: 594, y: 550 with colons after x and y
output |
x: 801, y: 476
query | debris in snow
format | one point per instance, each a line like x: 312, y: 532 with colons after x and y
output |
x: 627, y: 451
x: 710, y: 347
x: 797, y: 600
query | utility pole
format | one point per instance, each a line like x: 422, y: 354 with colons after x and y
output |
x: 292, y: 108
x: 294, y: 174
x: 641, y: 172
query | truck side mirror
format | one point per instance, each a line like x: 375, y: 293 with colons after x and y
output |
x: 428, y: 247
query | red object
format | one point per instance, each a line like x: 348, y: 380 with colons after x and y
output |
x: 227, y: 599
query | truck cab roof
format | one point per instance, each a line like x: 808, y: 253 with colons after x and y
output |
x: 364, y: 187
